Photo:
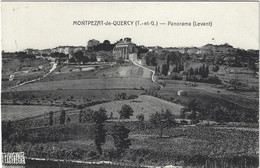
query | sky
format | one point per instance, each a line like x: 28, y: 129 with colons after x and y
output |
x: 44, y: 25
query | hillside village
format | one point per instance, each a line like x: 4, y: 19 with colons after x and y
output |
x: 171, y: 62
x: 176, y: 105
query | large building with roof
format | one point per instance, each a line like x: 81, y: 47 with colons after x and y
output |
x: 125, y: 49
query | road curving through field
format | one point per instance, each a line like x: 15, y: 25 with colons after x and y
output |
x: 54, y: 66
x: 153, y: 73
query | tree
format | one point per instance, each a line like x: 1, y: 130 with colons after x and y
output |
x: 86, y: 115
x: 100, y: 116
x: 207, y: 71
x: 165, y: 69
x: 99, y: 136
x: 68, y: 119
x: 62, y: 117
x: 51, y: 118
x: 120, y: 60
x: 150, y: 59
x: 220, y: 114
x: 162, y: 120
x: 191, y: 72
x: 111, y: 115
x: 120, y: 136
x: 79, y: 57
x: 80, y: 115
x: 140, y: 118
x: 192, y: 106
x: 125, y: 112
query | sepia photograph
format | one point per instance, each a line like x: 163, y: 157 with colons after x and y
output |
x: 132, y: 85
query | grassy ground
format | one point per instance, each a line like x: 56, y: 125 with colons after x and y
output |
x: 119, y: 77
x: 71, y: 72
x: 96, y: 83
x: 58, y: 96
x: 146, y: 105
x: 207, y: 93
x: 16, y: 112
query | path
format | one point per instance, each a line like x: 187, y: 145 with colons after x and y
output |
x: 34, y: 80
x: 153, y: 73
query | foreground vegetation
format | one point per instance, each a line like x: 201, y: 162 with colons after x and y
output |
x: 195, y: 146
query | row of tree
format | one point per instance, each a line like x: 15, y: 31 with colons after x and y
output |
x: 86, y: 115
x: 202, y: 70
x: 119, y: 132
x: 105, y: 46
x: 195, y: 111
x: 80, y: 57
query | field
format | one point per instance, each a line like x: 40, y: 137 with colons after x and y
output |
x: 17, y: 112
x: 193, y: 146
x: 11, y: 65
x: 108, y: 78
x: 95, y: 83
x: 243, y: 74
x: 72, y: 86
x: 72, y: 72
x: 208, y: 93
x: 146, y: 105
x: 23, y: 70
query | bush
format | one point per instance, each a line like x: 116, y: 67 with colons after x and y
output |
x: 125, y: 112
x: 120, y: 136
x: 133, y: 96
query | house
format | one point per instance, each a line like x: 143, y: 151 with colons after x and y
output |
x: 103, y: 56
x: 141, y: 61
x: 125, y: 48
x: 133, y: 56
x: 181, y: 93
x: 11, y: 78
x: 29, y: 51
x: 153, y: 48
x: 180, y: 121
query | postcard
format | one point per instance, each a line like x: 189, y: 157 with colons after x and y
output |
x: 120, y: 84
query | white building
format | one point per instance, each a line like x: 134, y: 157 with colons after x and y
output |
x: 124, y: 49
x: 181, y: 93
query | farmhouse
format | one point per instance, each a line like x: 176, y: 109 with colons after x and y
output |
x: 67, y: 49
x: 181, y: 93
x: 11, y: 78
x: 183, y: 121
x: 125, y: 49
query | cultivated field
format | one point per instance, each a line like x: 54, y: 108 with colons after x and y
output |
x: 206, y: 93
x: 75, y: 72
x: 15, y: 112
x: 120, y: 77
x: 95, y: 83
x: 146, y: 105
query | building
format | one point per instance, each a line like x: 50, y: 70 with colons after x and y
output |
x: 29, y: 51
x: 133, y: 56
x: 124, y: 49
x: 183, y: 121
x: 181, y: 93
x: 45, y: 52
x: 141, y: 61
x: 76, y: 49
x: 103, y: 56
x: 11, y: 78
x: 68, y: 50
x: 154, y: 48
